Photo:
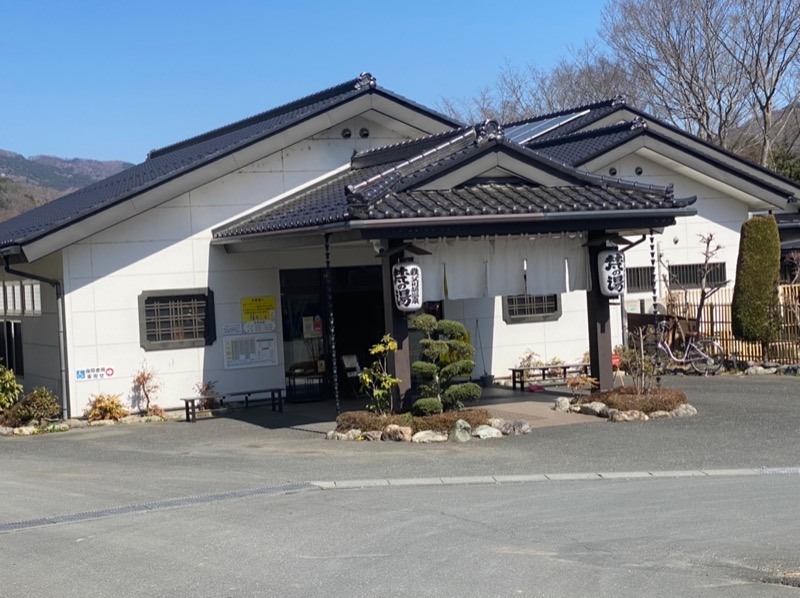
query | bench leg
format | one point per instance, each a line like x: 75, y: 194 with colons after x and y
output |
x: 191, y: 412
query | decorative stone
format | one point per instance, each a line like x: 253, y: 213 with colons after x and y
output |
x: 659, y: 414
x: 373, y: 435
x: 76, y: 423
x: 789, y: 370
x: 461, y: 431
x: 397, y: 433
x: 496, y: 422
x: 132, y: 419
x: 5, y: 431
x: 684, y: 411
x: 575, y: 408
x: 426, y: 436
x: 595, y: 408
x: 349, y: 435
x: 627, y: 416
x: 519, y: 426
x: 483, y: 432
x: 757, y: 370
x: 57, y: 427
x: 562, y: 404
x: 25, y: 431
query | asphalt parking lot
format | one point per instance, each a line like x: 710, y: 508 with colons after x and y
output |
x: 743, y: 422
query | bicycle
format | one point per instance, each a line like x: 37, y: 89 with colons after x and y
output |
x: 706, y: 356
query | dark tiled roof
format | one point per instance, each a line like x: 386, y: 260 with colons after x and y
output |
x: 579, y: 148
x: 175, y: 160
x: 500, y: 198
x: 387, y: 190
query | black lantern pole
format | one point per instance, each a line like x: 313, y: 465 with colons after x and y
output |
x: 331, y: 323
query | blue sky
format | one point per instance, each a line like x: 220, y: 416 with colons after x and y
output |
x: 112, y: 80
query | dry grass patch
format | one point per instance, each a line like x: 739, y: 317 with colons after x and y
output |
x: 626, y: 398
x: 440, y: 422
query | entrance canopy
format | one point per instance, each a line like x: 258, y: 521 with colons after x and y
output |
x: 469, y: 182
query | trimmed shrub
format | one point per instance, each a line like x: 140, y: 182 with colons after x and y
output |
x: 446, y: 359
x: 10, y: 389
x: 755, y: 307
x: 627, y: 398
x: 426, y: 407
x: 39, y: 404
x: 105, y: 406
x: 440, y: 422
x: 460, y: 394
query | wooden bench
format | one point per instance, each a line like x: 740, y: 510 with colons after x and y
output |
x: 275, y: 397
x: 518, y: 374
x: 190, y: 404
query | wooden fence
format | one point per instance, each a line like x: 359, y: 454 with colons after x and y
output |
x: 716, y: 322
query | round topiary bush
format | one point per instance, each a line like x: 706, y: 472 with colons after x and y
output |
x: 428, y: 406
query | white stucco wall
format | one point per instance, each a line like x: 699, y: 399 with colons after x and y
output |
x: 168, y: 248
x: 40, y: 332
x: 568, y: 337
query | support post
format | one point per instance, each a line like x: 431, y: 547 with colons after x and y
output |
x: 395, y: 322
x: 598, y: 310
x: 331, y: 323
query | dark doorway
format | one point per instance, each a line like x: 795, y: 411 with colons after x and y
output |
x: 358, y: 314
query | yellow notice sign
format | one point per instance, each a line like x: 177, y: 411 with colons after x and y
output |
x: 258, y: 309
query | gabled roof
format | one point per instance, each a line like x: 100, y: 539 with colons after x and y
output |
x: 603, y: 128
x: 581, y: 148
x: 173, y: 161
x: 391, y: 185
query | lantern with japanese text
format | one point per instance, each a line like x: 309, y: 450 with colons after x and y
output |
x: 407, y: 286
x: 611, y: 272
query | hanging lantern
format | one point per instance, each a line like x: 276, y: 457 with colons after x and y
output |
x: 611, y: 270
x: 407, y: 286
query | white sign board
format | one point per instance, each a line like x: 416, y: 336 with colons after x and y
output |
x: 250, y: 350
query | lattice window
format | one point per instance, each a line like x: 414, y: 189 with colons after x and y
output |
x: 689, y: 276
x: 531, y: 308
x: 176, y: 319
x: 639, y: 279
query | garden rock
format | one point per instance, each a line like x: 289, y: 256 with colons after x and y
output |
x: 373, y: 435
x: 789, y: 370
x: 4, y: 431
x: 496, y: 422
x: 684, y: 411
x: 483, y: 432
x: 25, y: 431
x: 397, y: 433
x: 627, y: 416
x: 659, y: 414
x: 595, y: 408
x: 519, y: 426
x: 57, y: 427
x: 757, y: 370
x: 77, y: 423
x: 460, y: 432
x: 349, y: 435
x: 102, y: 422
x: 562, y: 404
x: 426, y: 436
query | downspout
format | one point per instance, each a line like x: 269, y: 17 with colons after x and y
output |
x: 62, y: 346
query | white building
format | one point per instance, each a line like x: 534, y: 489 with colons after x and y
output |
x: 217, y: 257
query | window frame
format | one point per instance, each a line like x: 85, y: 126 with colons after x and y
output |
x: 718, y: 268
x: 544, y: 316
x: 209, y: 326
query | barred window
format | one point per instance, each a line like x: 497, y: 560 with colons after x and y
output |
x: 176, y: 319
x: 689, y: 276
x: 21, y: 298
x: 639, y: 279
x: 531, y: 308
